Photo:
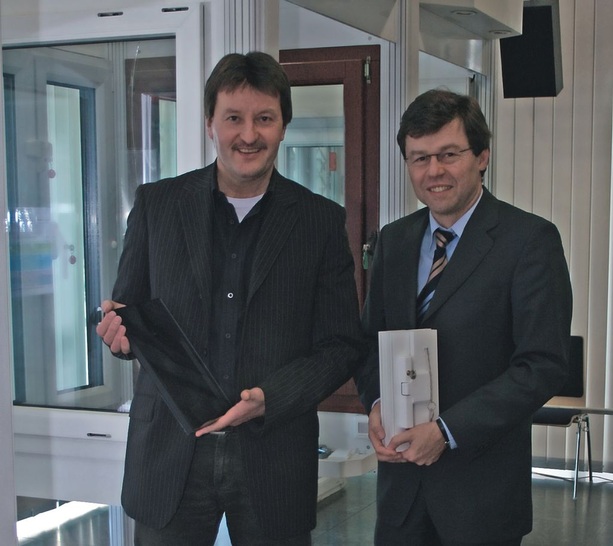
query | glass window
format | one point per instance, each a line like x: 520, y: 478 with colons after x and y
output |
x: 85, y: 124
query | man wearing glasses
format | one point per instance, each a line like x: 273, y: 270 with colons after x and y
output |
x: 493, y: 281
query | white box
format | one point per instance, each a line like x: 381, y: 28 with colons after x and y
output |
x: 408, y: 369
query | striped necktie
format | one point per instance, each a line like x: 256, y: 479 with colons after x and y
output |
x: 443, y: 238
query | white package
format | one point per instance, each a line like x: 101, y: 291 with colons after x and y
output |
x: 408, y: 369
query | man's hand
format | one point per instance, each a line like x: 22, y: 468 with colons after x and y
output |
x: 110, y: 329
x: 426, y: 444
x: 251, y: 405
x: 376, y: 434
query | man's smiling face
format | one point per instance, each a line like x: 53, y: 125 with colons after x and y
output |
x: 247, y: 129
x: 448, y: 190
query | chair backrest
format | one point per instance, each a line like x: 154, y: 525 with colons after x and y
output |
x: 574, y: 382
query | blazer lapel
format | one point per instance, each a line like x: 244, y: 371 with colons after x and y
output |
x: 196, y: 208
x: 276, y: 228
x: 409, y: 250
x: 472, y: 248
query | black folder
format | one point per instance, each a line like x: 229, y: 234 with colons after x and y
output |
x: 185, y: 382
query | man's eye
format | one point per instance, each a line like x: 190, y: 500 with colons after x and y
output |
x: 420, y: 159
x: 449, y: 155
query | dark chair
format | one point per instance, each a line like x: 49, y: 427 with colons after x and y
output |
x: 566, y: 417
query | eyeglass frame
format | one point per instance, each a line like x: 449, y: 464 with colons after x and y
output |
x: 454, y: 156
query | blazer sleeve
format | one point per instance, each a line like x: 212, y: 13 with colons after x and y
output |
x: 541, y: 304
x: 373, y: 321
x: 132, y: 284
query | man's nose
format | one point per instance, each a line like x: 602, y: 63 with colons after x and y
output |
x: 435, y: 167
x: 249, y: 132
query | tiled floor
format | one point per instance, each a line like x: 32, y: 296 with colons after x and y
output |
x: 347, y: 517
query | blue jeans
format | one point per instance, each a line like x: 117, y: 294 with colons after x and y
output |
x: 215, y: 486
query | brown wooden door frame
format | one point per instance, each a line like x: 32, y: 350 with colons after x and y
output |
x: 357, y: 69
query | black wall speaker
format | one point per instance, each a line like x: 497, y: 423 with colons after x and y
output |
x: 532, y: 62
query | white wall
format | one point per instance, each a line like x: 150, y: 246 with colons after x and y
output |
x: 553, y: 156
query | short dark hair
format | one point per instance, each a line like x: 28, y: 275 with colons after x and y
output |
x: 254, y: 69
x: 432, y: 110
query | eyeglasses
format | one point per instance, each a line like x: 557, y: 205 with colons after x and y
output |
x: 445, y: 158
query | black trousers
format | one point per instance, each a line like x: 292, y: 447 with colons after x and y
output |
x: 418, y: 530
x: 215, y: 486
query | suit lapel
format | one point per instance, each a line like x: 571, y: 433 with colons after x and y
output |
x: 410, y: 248
x: 474, y: 245
x: 276, y: 228
x: 196, y: 208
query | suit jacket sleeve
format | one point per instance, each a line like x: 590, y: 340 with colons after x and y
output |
x: 132, y: 283
x: 541, y: 308
x: 373, y: 321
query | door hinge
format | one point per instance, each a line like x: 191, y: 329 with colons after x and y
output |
x: 367, y: 70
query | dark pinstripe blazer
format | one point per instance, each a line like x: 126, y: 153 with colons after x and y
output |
x: 502, y: 311
x: 300, y: 340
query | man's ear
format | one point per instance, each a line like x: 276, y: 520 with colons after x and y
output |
x: 484, y: 159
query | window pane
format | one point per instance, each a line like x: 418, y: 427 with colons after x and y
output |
x: 66, y: 227
x: 313, y: 152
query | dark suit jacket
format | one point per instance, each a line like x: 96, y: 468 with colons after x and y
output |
x: 502, y: 311
x: 300, y: 340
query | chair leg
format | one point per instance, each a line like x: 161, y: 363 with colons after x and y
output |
x: 577, y: 451
x: 589, y: 445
